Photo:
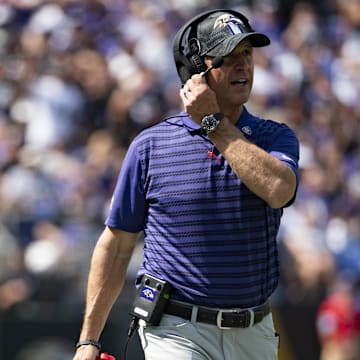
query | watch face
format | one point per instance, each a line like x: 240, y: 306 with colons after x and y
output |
x: 209, y: 123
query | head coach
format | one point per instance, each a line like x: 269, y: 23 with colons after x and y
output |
x: 207, y: 188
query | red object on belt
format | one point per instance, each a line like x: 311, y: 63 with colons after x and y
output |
x: 105, y: 356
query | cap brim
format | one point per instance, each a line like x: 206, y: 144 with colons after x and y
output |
x: 227, y: 46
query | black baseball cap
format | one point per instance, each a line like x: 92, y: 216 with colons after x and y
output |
x: 220, y: 32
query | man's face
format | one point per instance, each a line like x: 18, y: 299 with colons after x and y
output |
x: 232, y: 82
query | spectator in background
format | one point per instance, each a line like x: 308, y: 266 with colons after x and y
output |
x: 338, y: 321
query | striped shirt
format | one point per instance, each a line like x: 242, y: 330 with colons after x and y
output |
x: 205, y: 232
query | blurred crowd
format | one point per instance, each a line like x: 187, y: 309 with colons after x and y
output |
x: 79, y: 79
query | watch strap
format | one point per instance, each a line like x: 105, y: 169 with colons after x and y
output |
x: 218, y: 116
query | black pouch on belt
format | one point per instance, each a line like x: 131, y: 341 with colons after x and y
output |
x: 151, y: 299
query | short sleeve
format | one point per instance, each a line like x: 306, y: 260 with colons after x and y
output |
x: 128, y: 206
x: 285, y: 148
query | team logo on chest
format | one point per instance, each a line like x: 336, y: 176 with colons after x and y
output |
x: 247, y: 130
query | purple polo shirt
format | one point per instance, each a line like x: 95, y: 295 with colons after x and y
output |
x: 205, y: 232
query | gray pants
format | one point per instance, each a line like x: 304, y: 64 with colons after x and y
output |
x: 179, y: 339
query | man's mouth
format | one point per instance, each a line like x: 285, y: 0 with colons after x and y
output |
x: 241, y: 82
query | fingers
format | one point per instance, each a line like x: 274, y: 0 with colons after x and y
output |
x: 184, y: 94
x: 193, y: 83
x: 196, y: 81
x: 198, y: 98
x: 186, y: 90
x: 193, y: 86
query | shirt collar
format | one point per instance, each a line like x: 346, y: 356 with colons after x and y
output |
x: 192, y: 126
x: 246, y: 123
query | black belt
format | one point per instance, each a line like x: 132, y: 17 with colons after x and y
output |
x: 223, y: 318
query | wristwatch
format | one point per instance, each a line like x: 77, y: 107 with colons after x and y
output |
x: 210, y: 122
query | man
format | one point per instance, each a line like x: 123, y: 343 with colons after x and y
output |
x: 207, y: 188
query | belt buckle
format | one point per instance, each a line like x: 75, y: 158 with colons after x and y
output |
x: 249, y: 318
x: 219, y: 319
